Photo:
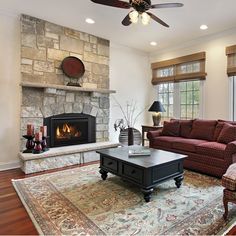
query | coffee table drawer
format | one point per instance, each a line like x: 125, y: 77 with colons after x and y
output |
x: 133, y: 173
x: 110, y: 163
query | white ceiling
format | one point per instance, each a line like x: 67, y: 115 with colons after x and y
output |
x: 184, y: 22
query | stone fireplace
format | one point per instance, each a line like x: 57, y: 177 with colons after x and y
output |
x: 70, y: 129
x: 44, y: 92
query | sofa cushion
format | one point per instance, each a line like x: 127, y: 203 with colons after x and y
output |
x: 227, y: 134
x: 218, y: 129
x: 185, y: 128
x: 188, y: 145
x: 203, y: 129
x: 213, y: 149
x: 163, y: 141
x: 229, y: 178
x: 171, y: 128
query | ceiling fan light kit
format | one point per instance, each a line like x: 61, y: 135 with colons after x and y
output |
x: 145, y: 18
x: 140, y: 8
x: 134, y: 15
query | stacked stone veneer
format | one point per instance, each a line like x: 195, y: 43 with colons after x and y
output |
x: 43, y: 47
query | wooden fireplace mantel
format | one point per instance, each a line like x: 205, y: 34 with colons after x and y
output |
x: 67, y: 88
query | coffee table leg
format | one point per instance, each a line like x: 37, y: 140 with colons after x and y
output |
x: 178, y: 181
x: 147, y: 194
x: 103, y: 174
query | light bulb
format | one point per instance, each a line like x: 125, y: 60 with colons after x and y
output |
x: 133, y: 15
x: 145, y: 18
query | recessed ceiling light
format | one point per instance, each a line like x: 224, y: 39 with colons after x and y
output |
x: 203, y: 27
x: 153, y: 43
x: 90, y: 21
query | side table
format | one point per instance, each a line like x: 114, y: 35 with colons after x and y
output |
x: 147, y: 128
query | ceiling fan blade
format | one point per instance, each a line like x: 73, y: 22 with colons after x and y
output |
x: 113, y: 3
x: 157, y: 19
x: 167, y: 5
x: 126, y: 21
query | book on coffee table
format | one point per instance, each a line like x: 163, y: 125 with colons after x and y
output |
x: 139, y: 152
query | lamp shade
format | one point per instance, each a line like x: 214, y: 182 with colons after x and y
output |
x: 157, y: 107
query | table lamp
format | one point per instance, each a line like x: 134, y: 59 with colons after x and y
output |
x: 157, y: 108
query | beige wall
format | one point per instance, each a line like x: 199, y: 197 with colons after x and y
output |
x: 130, y: 77
x: 216, y: 91
x: 9, y: 90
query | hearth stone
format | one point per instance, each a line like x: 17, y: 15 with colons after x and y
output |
x: 62, y: 156
x: 33, y: 166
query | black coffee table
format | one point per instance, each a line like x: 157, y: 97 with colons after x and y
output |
x: 144, y: 171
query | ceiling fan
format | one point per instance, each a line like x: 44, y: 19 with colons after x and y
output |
x: 140, y: 8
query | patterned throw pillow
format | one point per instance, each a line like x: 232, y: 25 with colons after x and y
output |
x: 227, y: 134
x: 171, y: 128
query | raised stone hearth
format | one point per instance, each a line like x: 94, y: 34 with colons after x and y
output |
x: 62, y: 156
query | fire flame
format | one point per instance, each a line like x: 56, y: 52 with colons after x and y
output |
x: 65, y: 129
x: 58, y: 131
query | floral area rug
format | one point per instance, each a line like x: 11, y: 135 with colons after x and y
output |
x: 77, y: 201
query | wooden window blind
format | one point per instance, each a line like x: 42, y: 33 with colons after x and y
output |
x: 231, y: 64
x: 190, y: 67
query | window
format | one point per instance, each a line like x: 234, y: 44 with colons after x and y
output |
x: 179, y: 82
x: 166, y: 97
x: 180, y: 100
x: 190, y: 67
x: 231, y: 71
x: 189, y: 99
x: 234, y: 97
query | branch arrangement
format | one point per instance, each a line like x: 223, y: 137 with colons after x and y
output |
x: 129, y: 114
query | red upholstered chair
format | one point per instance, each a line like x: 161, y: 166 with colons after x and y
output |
x: 229, y: 182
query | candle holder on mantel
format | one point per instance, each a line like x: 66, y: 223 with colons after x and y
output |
x: 44, y: 143
x: 29, y: 144
x: 38, y: 147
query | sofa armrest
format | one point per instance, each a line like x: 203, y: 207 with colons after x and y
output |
x: 153, y: 134
x: 230, y: 151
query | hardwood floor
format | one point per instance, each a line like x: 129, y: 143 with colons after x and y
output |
x: 14, y: 219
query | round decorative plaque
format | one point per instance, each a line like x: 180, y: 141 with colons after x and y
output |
x: 73, y: 67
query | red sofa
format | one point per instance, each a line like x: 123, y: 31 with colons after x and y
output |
x: 209, y: 144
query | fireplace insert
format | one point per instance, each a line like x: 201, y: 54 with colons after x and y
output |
x: 70, y: 129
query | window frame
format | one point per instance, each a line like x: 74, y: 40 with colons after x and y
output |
x: 177, y: 99
x: 232, y: 99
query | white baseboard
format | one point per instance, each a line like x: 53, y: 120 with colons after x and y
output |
x: 10, y: 165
